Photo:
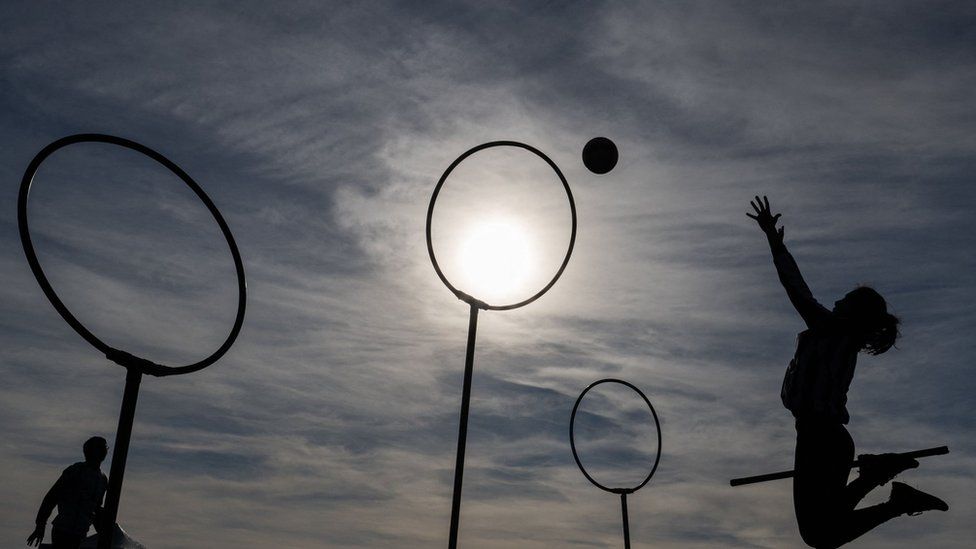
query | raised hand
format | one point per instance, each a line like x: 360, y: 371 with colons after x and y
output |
x: 765, y: 219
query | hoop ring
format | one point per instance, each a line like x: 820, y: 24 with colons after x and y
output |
x: 430, y: 215
x: 572, y: 438
x: 52, y: 296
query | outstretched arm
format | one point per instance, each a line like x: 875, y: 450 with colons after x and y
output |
x: 48, y: 504
x: 797, y: 290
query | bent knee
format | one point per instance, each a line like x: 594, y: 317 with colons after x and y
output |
x: 820, y: 534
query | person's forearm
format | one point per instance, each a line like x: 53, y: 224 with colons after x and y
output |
x: 796, y: 288
x: 43, y: 514
x: 776, y: 244
x: 47, y: 506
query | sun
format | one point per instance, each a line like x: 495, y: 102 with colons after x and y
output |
x: 495, y: 259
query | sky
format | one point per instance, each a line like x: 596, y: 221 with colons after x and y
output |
x: 320, y: 129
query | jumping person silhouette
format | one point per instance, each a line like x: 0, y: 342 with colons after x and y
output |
x: 815, y: 391
x: 78, y: 496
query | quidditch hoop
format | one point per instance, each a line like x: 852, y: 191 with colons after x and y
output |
x: 430, y: 215
x: 114, y: 354
x: 572, y: 438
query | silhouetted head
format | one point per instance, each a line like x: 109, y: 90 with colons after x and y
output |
x: 95, y: 448
x: 866, y: 313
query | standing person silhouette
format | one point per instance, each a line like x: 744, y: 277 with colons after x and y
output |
x: 78, y: 495
x: 815, y: 391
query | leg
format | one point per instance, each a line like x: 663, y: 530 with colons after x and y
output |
x: 875, y: 471
x: 861, y: 521
x: 822, y: 464
x: 844, y: 523
x: 823, y: 499
x: 904, y: 499
x: 856, y: 490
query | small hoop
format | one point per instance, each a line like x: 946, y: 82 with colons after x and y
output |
x: 120, y: 356
x: 430, y: 215
x: 572, y: 437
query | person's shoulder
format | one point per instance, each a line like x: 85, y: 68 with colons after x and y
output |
x: 73, y: 470
x: 74, y: 466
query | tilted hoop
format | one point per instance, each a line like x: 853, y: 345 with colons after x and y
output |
x: 116, y: 355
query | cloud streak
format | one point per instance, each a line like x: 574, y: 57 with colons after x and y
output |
x: 319, y: 130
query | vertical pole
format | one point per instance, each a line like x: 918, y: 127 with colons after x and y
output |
x: 623, y: 506
x: 463, y: 427
x: 132, y: 378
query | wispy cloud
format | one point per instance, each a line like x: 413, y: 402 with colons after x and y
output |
x: 320, y: 130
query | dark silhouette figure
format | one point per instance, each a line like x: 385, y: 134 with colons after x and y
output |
x: 78, y: 495
x: 815, y: 391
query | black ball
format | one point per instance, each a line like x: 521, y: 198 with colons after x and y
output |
x: 600, y: 155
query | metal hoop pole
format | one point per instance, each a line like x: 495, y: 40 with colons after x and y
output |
x: 122, y: 435
x: 135, y: 366
x: 476, y: 304
x: 622, y: 491
x: 623, y: 508
x: 463, y: 427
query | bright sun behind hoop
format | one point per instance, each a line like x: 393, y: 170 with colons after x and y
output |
x: 473, y: 300
x: 495, y: 259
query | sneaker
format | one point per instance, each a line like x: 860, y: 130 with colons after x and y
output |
x: 906, y: 499
x: 880, y: 468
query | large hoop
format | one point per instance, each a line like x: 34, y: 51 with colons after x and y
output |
x: 52, y: 296
x: 430, y: 215
x: 572, y: 437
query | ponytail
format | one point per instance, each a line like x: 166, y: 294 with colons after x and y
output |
x: 883, y: 336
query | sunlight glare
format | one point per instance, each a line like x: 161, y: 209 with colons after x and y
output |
x: 495, y: 259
